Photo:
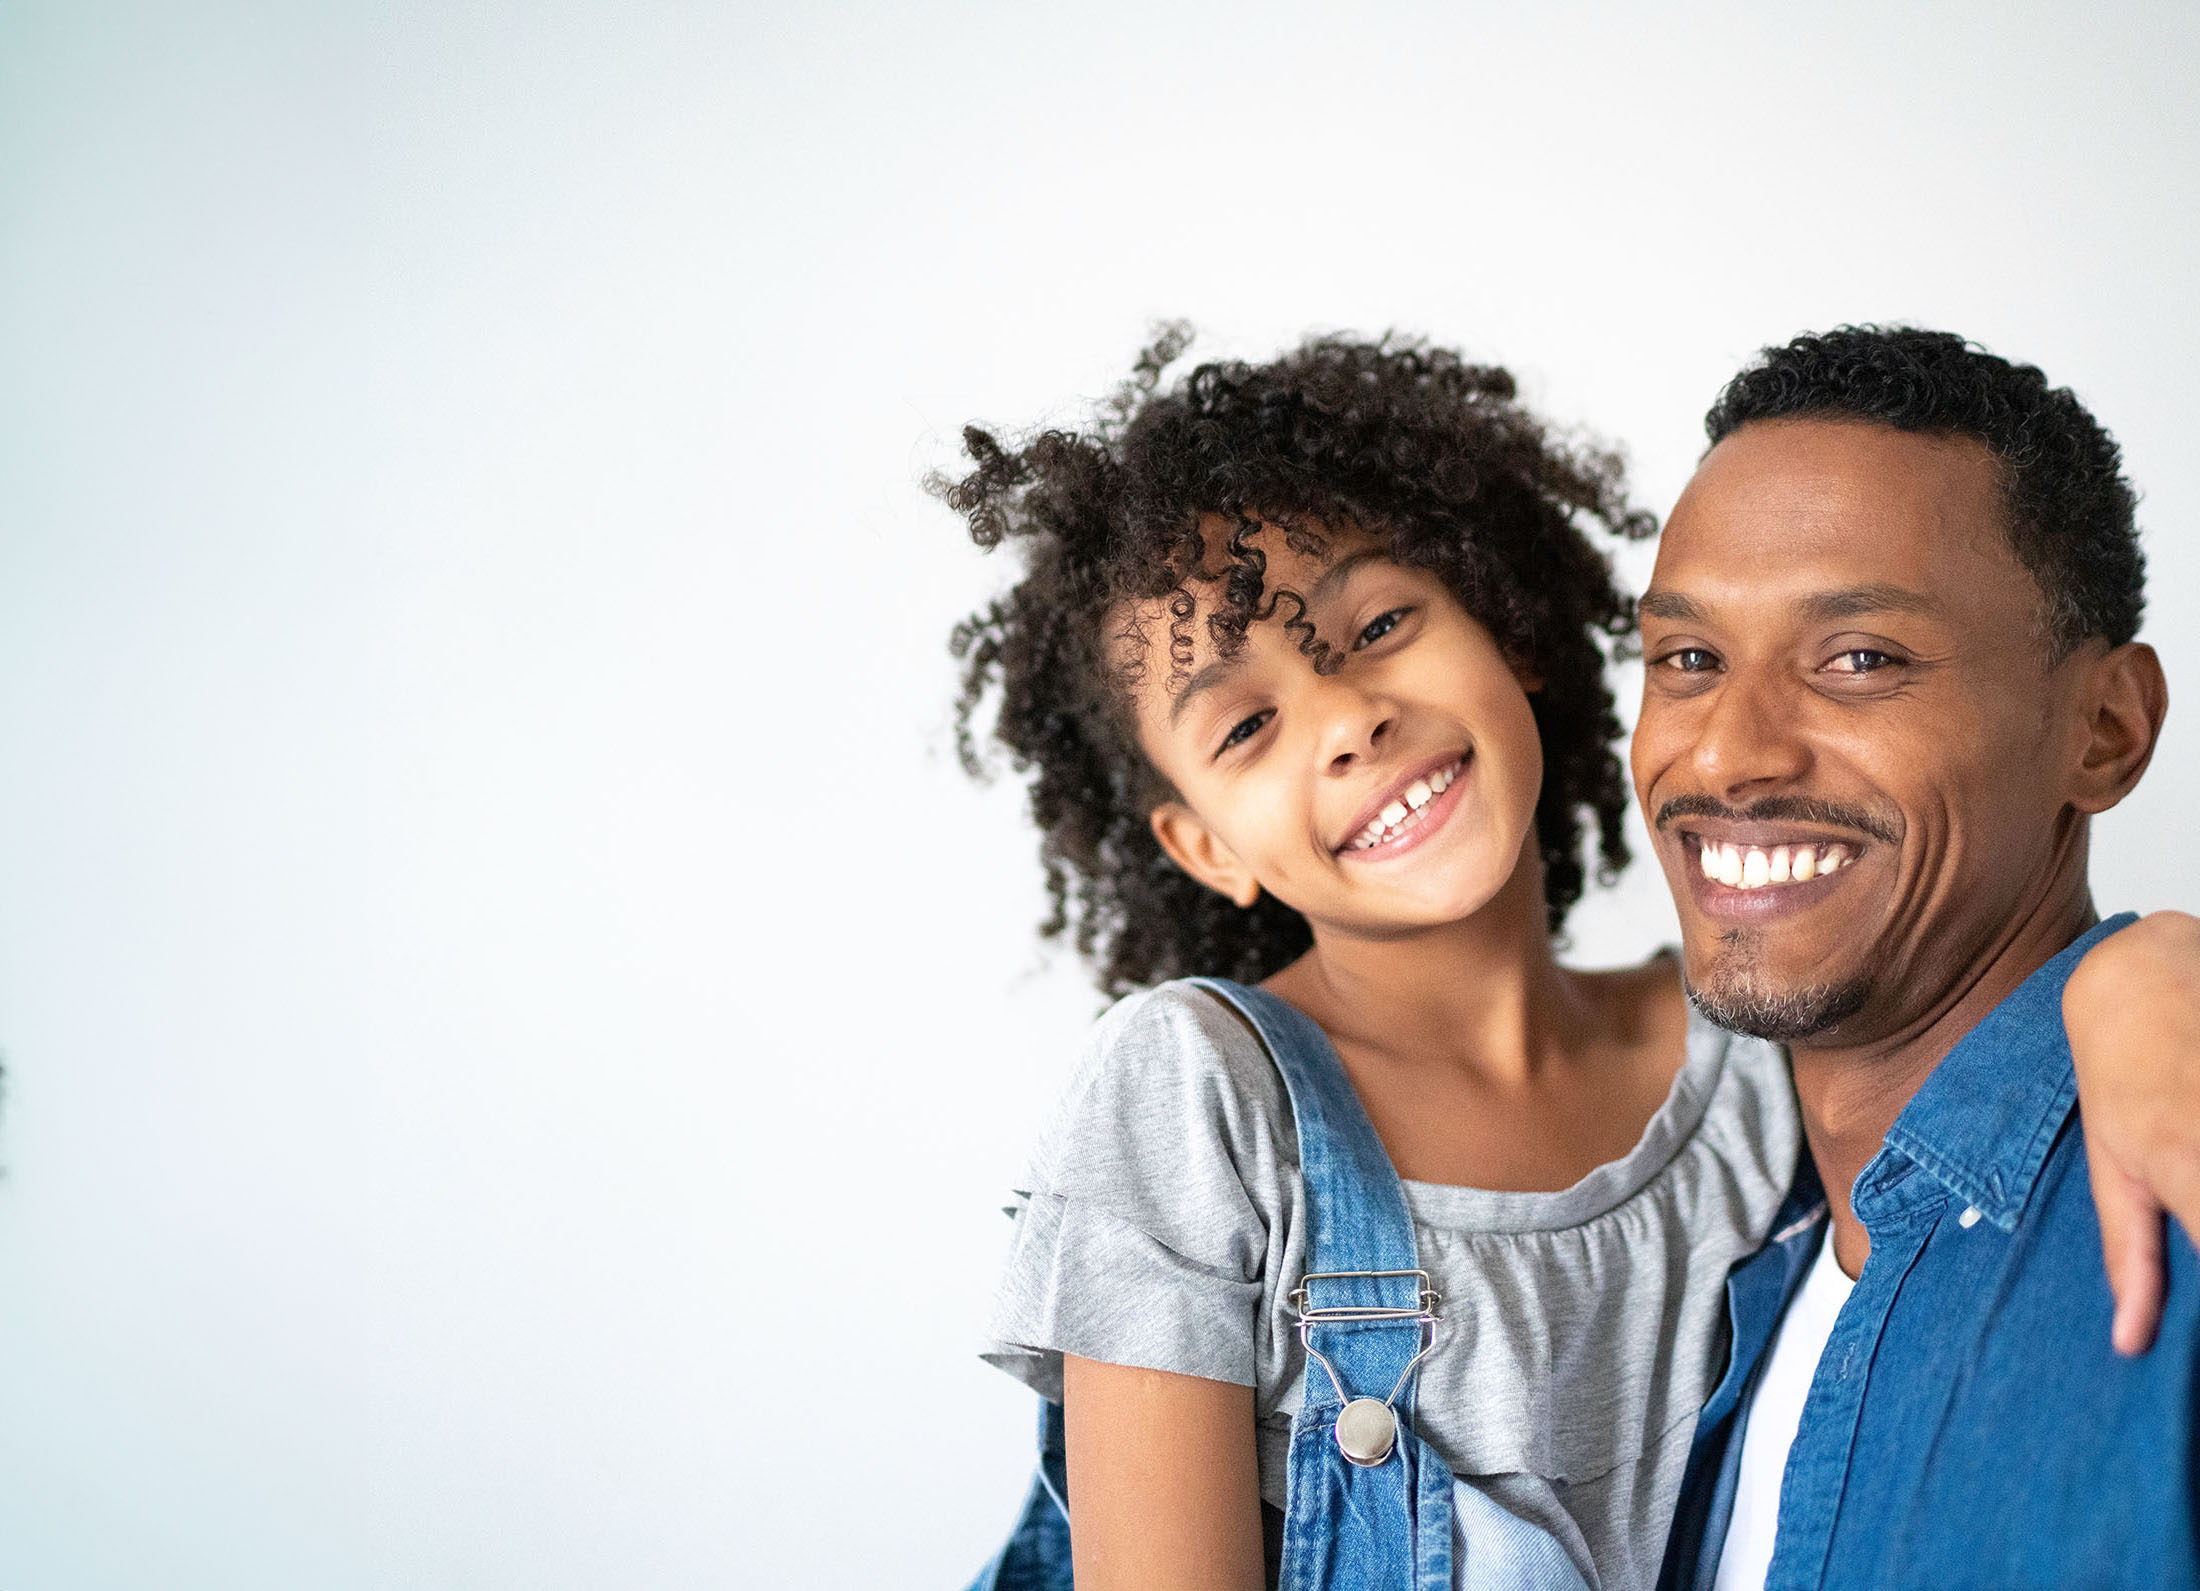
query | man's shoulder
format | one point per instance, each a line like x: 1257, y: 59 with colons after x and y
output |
x: 1997, y: 1345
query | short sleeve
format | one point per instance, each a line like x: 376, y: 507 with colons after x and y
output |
x: 1159, y: 1202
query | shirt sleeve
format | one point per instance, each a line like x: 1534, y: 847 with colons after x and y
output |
x: 1160, y: 1196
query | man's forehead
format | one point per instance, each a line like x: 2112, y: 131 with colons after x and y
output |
x: 1813, y: 468
x: 1830, y: 505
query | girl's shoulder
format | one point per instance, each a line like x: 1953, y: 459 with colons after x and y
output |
x: 1163, y: 1206
x: 1170, y: 1074
x: 1183, y: 1027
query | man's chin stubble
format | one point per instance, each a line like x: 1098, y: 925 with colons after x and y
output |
x: 1742, y: 1003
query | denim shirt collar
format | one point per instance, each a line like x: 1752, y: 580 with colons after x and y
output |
x: 1982, y: 1123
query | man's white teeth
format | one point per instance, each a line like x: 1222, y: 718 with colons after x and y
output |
x: 1411, y: 800
x: 1748, y: 867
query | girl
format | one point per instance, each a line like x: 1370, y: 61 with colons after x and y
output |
x: 1306, y: 668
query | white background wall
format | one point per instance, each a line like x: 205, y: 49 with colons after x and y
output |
x: 516, y: 1030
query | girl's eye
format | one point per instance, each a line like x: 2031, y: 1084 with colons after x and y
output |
x: 1379, y: 627
x: 1243, y: 730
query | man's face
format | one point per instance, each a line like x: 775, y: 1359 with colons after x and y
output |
x: 1851, y: 738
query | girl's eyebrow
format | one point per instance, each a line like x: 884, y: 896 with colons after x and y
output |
x: 1206, y: 679
x: 1222, y: 668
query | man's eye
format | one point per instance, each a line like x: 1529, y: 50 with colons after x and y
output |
x: 1690, y: 659
x: 1861, y: 660
x: 1379, y: 627
x: 1243, y: 730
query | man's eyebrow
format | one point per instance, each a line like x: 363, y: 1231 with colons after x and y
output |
x: 1847, y: 603
x: 1667, y: 605
x: 1206, y: 679
x: 1855, y: 600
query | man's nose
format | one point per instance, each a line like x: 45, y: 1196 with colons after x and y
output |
x: 1751, y: 733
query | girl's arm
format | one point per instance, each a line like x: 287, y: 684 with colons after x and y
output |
x: 2132, y: 1009
x: 1164, y: 1482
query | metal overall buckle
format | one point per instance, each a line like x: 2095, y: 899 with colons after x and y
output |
x: 1367, y: 1428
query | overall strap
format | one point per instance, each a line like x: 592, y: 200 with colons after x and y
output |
x: 1367, y: 1504
x: 1356, y: 1209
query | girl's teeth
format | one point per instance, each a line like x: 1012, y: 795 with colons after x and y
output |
x: 1749, y: 867
x: 1411, y: 800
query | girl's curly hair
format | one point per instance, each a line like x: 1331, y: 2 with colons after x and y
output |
x: 1392, y: 438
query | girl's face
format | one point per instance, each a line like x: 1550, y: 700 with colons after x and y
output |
x: 1392, y: 795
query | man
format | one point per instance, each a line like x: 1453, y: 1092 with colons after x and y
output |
x: 1891, y: 630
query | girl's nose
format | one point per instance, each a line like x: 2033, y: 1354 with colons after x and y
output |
x: 1357, y: 726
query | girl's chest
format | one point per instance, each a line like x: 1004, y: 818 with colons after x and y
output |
x: 1441, y: 1126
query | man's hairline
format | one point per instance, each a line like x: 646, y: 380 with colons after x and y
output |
x: 2056, y: 647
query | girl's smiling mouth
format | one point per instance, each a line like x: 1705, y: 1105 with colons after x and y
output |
x: 1411, y: 812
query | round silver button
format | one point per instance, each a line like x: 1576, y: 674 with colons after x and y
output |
x: 1366, y: 1430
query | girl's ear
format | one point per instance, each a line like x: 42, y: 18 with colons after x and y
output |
x: 1198, y: 850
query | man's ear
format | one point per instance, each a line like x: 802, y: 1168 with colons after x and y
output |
x: 1200, y: 852
x: 2125, y: 700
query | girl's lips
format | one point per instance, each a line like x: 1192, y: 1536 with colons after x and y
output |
x: 1421, y: 822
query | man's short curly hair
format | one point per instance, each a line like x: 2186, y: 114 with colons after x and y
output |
x: 2069, y: 507
x: 1393, y: 439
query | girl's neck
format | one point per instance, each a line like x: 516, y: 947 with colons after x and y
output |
x: 1484, y: 992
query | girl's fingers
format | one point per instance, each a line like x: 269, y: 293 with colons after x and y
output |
x: 2173, y: 1178
x: 2131, y: 1243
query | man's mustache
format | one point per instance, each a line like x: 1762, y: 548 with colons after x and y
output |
x: 1781, y: 809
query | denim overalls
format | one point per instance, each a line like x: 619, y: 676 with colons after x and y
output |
x: 1368, y: 1506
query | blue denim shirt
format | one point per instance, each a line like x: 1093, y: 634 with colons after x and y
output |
x: 1969, y: 1424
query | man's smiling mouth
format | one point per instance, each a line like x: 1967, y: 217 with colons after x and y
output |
x: 1761, y: 867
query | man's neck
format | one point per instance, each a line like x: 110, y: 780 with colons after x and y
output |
x: 1851, y: 1093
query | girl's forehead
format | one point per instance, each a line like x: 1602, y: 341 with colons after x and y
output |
x: 1252, y: 580
x: 1301, y: 546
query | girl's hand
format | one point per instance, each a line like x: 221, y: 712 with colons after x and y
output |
x: 2132, y: 1010
x: 1164, y: 1480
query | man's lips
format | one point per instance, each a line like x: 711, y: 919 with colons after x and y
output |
x: 1752, y: 871
x: 1764, y: 860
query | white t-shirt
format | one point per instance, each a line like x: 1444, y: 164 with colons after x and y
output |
x: 1775, y: 1410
